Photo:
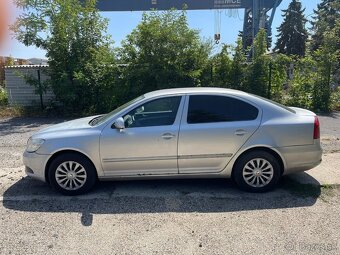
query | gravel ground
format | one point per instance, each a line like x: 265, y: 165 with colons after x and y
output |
x: 166, y: 217
x: 330, y: 132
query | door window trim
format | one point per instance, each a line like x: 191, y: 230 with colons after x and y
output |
x: 146, y: 100
x: 186, y: 109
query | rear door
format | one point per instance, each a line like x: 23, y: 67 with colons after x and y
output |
x: 212, y: 130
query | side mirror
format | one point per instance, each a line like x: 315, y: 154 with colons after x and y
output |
x: 119, y: 123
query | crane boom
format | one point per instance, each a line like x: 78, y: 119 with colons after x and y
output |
x: 146, y: 5
x: 255, y: 16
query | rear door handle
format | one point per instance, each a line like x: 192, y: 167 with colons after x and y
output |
x: 240, y: 132
x: 168, y: 136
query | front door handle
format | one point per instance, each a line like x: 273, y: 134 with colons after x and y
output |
x: 168, y: 136
x: 240, y: 132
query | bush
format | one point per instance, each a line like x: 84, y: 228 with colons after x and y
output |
x: 300, y: 92
x: 335, y: 100
x: 3, y: 97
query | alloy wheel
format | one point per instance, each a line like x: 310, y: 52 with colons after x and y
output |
x: 258, y: 172
x: 70, y: 175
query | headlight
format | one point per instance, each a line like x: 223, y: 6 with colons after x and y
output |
x: 34, y: 144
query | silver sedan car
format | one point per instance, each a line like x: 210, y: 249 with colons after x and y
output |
x: 179, y: 133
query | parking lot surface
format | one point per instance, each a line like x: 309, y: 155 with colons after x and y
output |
x: 168, y: 217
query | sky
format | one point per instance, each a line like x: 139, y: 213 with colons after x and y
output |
x: 122, y: 23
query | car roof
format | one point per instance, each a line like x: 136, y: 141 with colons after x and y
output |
x: 261, y: 102
x: 193, y: 90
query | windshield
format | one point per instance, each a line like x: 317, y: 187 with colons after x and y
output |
x: 105, y: 117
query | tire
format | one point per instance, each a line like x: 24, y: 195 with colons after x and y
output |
x: 257, y: 171
x: 72, y: 174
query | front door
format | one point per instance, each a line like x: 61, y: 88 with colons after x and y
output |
x: 213, y: 129
x: 148, y: 144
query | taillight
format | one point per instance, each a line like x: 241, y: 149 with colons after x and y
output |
x: 316, y: 128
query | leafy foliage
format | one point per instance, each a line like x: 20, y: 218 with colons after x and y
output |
x: 335, y: 99
x: 325, y: 19
x: 78, y: 49
x: 163, y: 52
x: 40, y: 87
x: 257, y: 80
x: 264, y: 75
x: 278, y: 78
x: 327, y: 58
x: 222, y: 64
x: 3, y: 97
x: 238, y: 67
x: 301, y: 87
x: 88, y: 76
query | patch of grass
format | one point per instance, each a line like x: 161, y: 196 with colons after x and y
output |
x: 301, y: 190
x: 10, y: 111
x: 309, y: 190
x: 34, y: 111
x: 329, y: 190
x: 19, y: 111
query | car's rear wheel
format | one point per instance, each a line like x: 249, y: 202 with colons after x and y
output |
x: 257, y: 171
x: 72, y: 174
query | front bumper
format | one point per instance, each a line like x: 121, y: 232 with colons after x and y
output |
x: 35, y: 165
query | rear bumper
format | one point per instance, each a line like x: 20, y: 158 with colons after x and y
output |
x: 35, y: 165
x: 301, y: 158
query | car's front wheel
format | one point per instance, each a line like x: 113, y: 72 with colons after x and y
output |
x: 72, y: 174
x: 257, y: 171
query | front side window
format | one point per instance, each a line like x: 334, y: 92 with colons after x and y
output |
x: 108, y: 116
x: 207, y: 109
x: 158, y: 112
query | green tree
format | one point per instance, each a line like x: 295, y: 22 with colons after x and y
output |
x: 326, y: 16
x: 327, y: 58
x: 238, y: 67
x: 163, y: 52
x: 325, y: 48
x: 222, y: 67
x: 258, y: 70
x: 301, y: 87
x: 78, y: 50
x: 278, y: 66
x: 315, y: 74
x: 292, y: 35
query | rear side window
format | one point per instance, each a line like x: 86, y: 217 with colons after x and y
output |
x: 207, y: 109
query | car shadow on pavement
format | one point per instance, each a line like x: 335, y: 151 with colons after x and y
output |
x: 158, y: 196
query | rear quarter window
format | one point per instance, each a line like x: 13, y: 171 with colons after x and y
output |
x: 275, y: 103
x: 211, y: 108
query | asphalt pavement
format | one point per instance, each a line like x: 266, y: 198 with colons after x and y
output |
x: 171, y: 216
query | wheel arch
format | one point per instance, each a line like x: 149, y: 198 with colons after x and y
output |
x: 58, y: 153
x: 272, y: 151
